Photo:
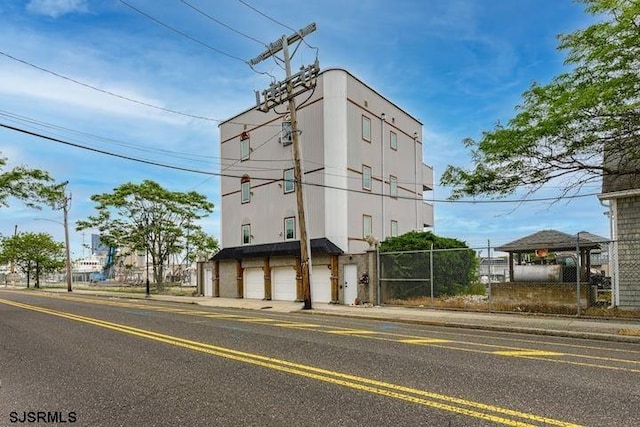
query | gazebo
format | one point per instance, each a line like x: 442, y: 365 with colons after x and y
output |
x: 549, y: 241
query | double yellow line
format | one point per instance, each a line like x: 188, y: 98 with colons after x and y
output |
x: 421, y: 397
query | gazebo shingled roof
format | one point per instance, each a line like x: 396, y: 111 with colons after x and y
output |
x: 552, y: 240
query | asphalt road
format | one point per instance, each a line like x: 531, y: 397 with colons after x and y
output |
x: 77, y: 360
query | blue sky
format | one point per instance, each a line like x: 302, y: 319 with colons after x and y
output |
x: 459, y: 66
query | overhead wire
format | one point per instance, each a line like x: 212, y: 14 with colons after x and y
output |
x: 116, y: 95
x: 182, y: 33
x: 228, y: 27
x: 197, y: 171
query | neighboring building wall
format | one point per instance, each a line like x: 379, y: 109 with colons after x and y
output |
x: 628, y: 241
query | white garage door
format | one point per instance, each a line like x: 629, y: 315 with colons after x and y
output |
x: 320, y: 284
x: 208, y: 282
x: 253, y: 283
x: 284, y: 283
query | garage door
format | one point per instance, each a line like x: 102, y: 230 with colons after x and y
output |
x: 320, y: 284
x: 253, y: 283
x: 284, y: 283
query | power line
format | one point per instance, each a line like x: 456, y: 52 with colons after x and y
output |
x: 217, y: 21
x: 126, y: 98
x: 183, y: 34
x: 259, y: 12
x: 267, y: 16
x: 116, y: 95
x: 201, y: 172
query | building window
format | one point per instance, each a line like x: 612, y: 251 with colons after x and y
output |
x: 366, y: 128
x: 366, y: 177
x: 393, y: 140
x: 394, y: 228
x: 366, y: 226
x: 289, y: 181
x: 286, y: 137
x: 244, y: 149
x: 393, y: 186
x: 245, y: 189
x: 289, y: 228
x: 246, y: 234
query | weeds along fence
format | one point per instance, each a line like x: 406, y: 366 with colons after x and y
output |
x: 571, y: 282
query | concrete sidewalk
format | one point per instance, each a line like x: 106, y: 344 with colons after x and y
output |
x: 621, y: 330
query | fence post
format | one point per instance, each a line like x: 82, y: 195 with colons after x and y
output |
x: 378, y: 271
x: 433, y: 304
x: 489, y: 282
x: 578, y: 274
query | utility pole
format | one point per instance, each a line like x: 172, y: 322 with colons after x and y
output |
x: 279, y: 93
x: 65, y: 210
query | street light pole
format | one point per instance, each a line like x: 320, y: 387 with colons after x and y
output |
x: 146, y: 247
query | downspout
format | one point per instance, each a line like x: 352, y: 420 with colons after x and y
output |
x: 382, y: 120
x: 415, y: 175
x: 613, y: 255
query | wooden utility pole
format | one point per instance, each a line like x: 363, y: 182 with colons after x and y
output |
x: 65, y: 210
x: 277, y: 94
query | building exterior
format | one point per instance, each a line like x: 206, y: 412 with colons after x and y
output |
x: 622, y: 192
x: 363, y: 180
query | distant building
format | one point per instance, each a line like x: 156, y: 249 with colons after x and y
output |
x: 97, y: 246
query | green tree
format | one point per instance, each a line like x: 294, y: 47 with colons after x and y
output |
x: 34, y: 187
x: 147, y: 217
x: 454, y: 264
x: 563, y: 130
x: 33, y: 253
x: 202, y: 245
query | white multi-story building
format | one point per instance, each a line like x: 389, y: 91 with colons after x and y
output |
x: 363, y: 175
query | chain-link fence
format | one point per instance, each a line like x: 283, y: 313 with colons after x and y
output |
x: 590, y: 276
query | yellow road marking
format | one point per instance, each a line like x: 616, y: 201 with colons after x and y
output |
x: 518, y: 353
x: 423, y: 341
x: 504, y: 350
x: 296, y: 325
x: 223, y: 316
x: 256, y: 320
x: 351, y: 332
x: 351, y: 381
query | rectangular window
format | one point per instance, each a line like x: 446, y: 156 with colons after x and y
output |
x: 244, y: 149
x: 393, y: 186
x: 394, y: 228
x: 289, y: 228
x: 246, y: 234
x: 246, y: 191
x: 366, y: 128
x: 289, y: 183
x: 286, y: 137
x: 366, y: 177
x: 393, y: 140
x: 366, y: 226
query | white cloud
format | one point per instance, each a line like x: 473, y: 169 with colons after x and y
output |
x: 56, y: 8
